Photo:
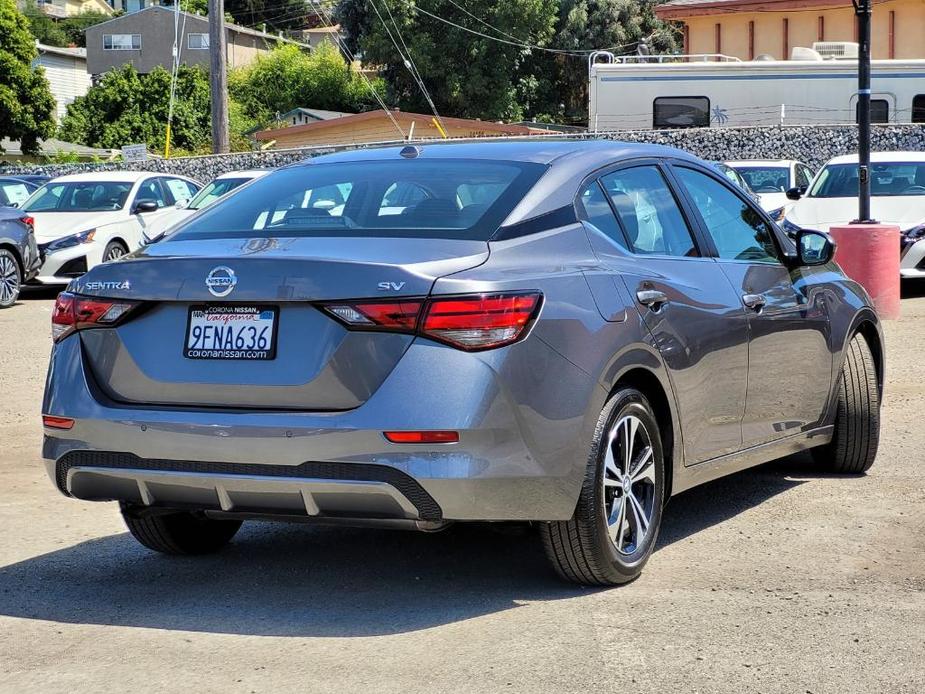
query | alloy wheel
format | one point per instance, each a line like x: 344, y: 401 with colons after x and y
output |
x: 113, y: 252
x: 9, y: 280
x: 628, y: 482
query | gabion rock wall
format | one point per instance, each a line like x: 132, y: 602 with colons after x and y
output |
x: 812, y: 144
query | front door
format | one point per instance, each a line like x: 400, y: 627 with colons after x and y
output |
x: 695, y: 318
x: 790, y: 364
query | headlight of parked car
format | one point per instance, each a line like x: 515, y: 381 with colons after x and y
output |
x: 71, y: 241
x: 777, y: 215
x: 913, y: 235
x: 790, y: 228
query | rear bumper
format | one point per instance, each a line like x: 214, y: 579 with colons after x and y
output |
x: 521, y: 454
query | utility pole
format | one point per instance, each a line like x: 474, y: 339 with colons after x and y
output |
x: 862, y: 10
x: 218, y: 77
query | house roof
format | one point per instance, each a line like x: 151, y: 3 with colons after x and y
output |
x: 356, y: 118
x: 316, y: 113
x: 679, y: 9
x: 230, y: 27
x: 69, y: 52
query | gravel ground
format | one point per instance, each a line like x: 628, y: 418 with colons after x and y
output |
x: 774, y: 580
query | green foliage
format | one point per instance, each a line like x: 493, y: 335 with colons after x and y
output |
x: 128, y: 108
x: 472, y: 76
x: 288, y: 77
x: 64, y: 32
x: 62, y: 157
x: 195, y: 6
x: 26, y: 104
x: 466, y: 75
x: 276, y: 14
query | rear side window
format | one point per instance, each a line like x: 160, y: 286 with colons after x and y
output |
x: 151, y: 190
x: 918, y: 108
x: 879, y: 111
x: 681, y: 112
x: 649, y: 212
x: 737, y: 229
x: 443, y: 198
x: 595, y: 210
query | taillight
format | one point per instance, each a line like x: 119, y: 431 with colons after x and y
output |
x: 73, y: 312
x: 29, y: 222
x: 471, y: 322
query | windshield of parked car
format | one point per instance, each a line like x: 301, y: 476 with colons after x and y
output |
x: 841, y: 180
x: 214, y: 190
x: 402, y: 198
x: 766, y: 179
x: 14, y: 192
x: 82, y: 196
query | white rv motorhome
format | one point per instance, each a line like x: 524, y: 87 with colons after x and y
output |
x: 648, y: 92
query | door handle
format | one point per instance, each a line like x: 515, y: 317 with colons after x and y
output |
x: 652, y: 298
x: 754, y: 301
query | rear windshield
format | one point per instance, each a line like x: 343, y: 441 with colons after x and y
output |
x: 766, y: 179
x: 886, y: 180
x: 403, y: 198
x: 85, y: 196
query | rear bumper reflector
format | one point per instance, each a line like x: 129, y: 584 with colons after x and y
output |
x: 53, y: 422
x: 421, y: 436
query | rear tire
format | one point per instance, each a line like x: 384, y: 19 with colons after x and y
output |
x: 615, y: 526
x: 857, y: 419
x: 181, y: 532
x: 10, y: 278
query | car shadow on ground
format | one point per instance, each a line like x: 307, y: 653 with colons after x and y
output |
x: 298, y: 580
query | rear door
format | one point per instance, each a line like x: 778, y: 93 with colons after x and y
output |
x: 790, y: 363
x: 695, y: 317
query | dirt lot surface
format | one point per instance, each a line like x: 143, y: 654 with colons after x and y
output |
x: 774, y: 580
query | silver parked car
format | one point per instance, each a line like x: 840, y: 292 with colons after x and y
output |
x: 19, y: 254
x: 561, y: 333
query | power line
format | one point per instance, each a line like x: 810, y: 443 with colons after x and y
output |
x: 407, y: 60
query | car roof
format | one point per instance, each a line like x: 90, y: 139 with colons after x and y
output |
x: 540, y: 151
x: 249, y: 173
x: 104, y: 176
x: 881, y: 158
x: 745, y: 163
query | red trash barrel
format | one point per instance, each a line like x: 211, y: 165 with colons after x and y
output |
x: 869, y: 254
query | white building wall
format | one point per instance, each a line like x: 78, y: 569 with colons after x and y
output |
x: 67, y: 76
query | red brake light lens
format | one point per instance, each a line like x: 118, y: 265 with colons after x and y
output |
x: 53, y: 422
x: 74, y: 312
x: 29, y: 222
x: 471, y: 322
x: 421, y: 436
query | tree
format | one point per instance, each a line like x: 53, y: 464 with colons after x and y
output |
x: 26, y: 105
x: 583, y: 25
x: 277, y: 15
x: 465, y: 74
x: 64, y: 32
x: 288, y: 77
x: 74, y: 27
x: 127, y: 108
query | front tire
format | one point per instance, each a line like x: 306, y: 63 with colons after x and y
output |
x: 857, y: 416
x: 10, y: 278
x: 615, y: 526
x: 180, y: 532
x: 113, y: 251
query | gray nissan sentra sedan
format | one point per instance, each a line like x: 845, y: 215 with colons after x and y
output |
x: 565, y: 333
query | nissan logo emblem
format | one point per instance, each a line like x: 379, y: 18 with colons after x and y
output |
x: 221, y: 281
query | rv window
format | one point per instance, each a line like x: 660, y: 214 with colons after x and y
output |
x: 879, y: 111
x: 681, y: 112
x: 918, y: 108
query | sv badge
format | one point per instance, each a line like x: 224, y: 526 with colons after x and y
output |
x: 391, y: 286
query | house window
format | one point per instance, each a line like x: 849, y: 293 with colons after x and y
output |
x: 879, y: 111
x: 918, y: 108
x: 197, y: 42
x: 122, y: 42
x: 718, y: 38
x: 681, y: 112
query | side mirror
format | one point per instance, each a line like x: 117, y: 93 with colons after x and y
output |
x: 814, y: 247
x: 14, y: 204
x: 796, y: 193
x: 143, y: 206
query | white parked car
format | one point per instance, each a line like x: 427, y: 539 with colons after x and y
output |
x: 897, y: 189
x: 212, y: 191
x: 772, y: 179
x: 86, y: 219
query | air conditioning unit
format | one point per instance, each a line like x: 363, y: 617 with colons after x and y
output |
x: 837, y: 50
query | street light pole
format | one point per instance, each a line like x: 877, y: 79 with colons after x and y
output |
x: 862, y: 10
x: 218, y: 77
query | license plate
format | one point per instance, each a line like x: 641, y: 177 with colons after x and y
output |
x: 231, y: 332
